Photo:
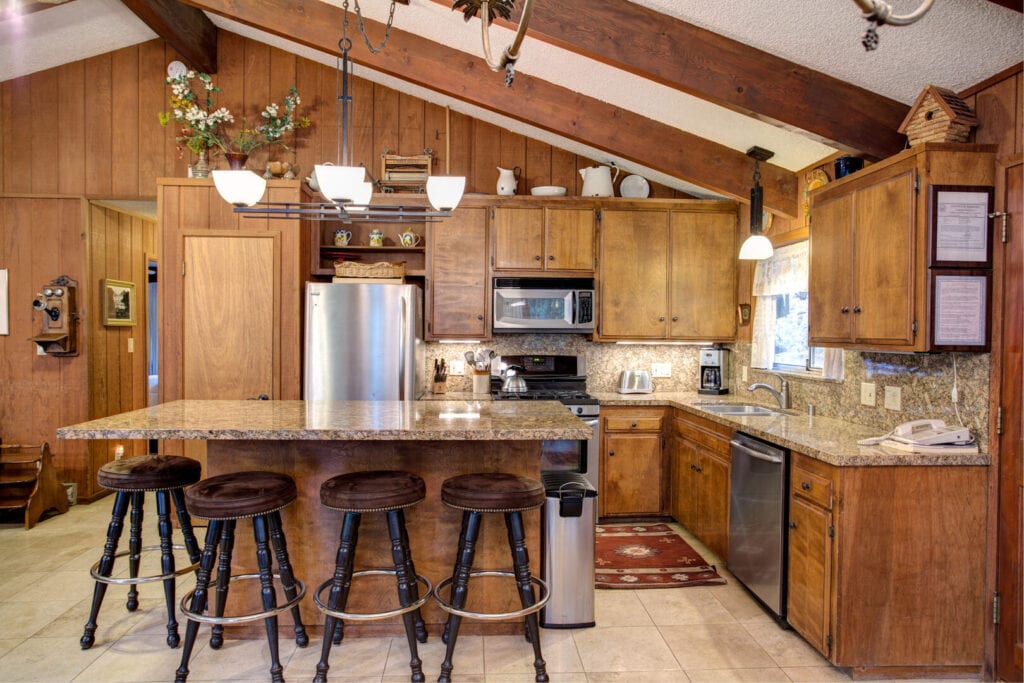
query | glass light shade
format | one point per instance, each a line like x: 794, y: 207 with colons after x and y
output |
x: 756, y: 248
x: 361, y: 198
x: 445, y: 192
x: 239, y: 188
x: 339, y: 184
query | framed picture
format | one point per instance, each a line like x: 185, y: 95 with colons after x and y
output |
x: 961, y: 229
x: 960, y: 305
x: 118, y: 302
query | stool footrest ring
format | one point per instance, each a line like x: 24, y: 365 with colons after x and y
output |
x: 242, y: 618
x: 122, y: 581
x: 370, y: 616
x: 493, y: 616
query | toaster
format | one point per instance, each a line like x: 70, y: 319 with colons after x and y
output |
x: 635, y: 382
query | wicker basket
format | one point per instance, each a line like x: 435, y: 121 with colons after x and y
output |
x: 385, y: 269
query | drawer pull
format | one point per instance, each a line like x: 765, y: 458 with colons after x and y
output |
x: 633, y: 425
x: 697, y: 467
x: 792, y: 525
x: 611, y: 454
x: 806, y: 486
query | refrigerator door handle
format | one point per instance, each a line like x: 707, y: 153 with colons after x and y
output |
x: 403, y: 332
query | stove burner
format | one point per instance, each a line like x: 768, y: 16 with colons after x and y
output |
x: 567, y: 397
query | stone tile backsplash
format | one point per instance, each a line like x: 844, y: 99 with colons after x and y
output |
x: 925, y: 380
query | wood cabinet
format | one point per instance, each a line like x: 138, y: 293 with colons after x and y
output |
x: 458, y: 292
x: 700, y: 467
x: 28, y: 481
x: 544, y: 239
x: 632, y: 462
x: 869, y: 243
x: 668, y: 272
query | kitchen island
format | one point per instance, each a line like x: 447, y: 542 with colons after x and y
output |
x: 313, y: 441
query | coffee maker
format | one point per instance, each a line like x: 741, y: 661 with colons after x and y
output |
x: 714, y: 371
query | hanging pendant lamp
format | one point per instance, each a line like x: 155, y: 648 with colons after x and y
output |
x: 757, y: 247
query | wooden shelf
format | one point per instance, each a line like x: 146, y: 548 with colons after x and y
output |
x: 28, y: 480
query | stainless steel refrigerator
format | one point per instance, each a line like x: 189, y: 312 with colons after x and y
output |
x: 363, y: 342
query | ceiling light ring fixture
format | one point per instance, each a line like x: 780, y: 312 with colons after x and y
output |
x: 879, y: 12
x: 488, y: 9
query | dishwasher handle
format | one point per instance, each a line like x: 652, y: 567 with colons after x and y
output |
x: 777, y: 459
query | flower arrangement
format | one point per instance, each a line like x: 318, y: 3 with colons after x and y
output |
x: 204, y: 125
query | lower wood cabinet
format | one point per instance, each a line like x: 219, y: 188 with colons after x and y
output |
x: 700, y: 462
x: 632, y: 456
x: 810, y: 554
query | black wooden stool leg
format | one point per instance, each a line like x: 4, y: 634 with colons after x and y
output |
x: 135, y: 547
x: 459, y: 588
x: 340, y: 584
x: 185, y: 521
x: 106, y: 565
x: 262, y: 536
x: 421, y: 627
x: 206, y: 561
x: 407, y: 589
x: 163, y: 513
x: 455, y: 569
x: 220, y: 596
x: 284, y: 568
x: 521, y: 564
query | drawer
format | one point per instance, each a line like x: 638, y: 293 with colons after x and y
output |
x: 811, y: 486
x: 637, y: 423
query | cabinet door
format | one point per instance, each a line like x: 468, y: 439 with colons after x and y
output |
x: 713, y: 497
x: 810, y: 572
x: 702, y: 263
x: 883, y: 234
x: 632, y: 474
x: 457, y: 281
x: 684, y: 483
x: 633, y: 274
x: 569, y: 239
x: 518, y: 238
x: 830, y: 278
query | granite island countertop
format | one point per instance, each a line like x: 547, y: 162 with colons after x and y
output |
x: 339, y: 421
x: 823, y: 438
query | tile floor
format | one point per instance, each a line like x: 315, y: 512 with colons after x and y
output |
x: 714, y: 633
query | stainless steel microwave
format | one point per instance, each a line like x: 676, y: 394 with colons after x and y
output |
x: 527, y: 304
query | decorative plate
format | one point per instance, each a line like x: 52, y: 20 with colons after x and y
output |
x: 813, y: 181
x: 634, y: 186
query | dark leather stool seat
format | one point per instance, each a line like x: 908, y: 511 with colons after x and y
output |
x: 223, y: 500
x: 356, y: 493
x: 131, y: 478
x: 476, y: 494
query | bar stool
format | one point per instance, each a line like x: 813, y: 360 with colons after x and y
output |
x: 354, y: 494
x: 476, y: 494
x: 223, y: 500
x: 131, y: 478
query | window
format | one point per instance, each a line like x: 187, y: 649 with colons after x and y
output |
x: 791, y: 350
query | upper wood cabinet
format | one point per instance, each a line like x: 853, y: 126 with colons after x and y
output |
x: 457, y: 298
x: 869, y: 240
x: 668, y: 272
x: 543, y: 239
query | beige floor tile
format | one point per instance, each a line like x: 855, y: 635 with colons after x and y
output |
x: 634, y: 677
x: 677, y: 606
x: 57, y: 584
x: 23, y: 619
x: 46, y: 660
x: 574, y: 677
x: 468, y: 659
x: 762, y: 675
x: 743, y: 608
x: 513, y: 654
x: 364, y: 657
x: 633, y: 648
x: 785, y: 647
x: 13, y: 584
x: 8, y: 644
x: 715, y: 646
x: 815, y: 674
x: 237, y: 660
x: 111, y: 624
x: 133, y: 659
x: 619, y: 608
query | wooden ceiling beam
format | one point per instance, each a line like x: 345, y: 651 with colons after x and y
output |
x: 185, y: 28
x: 539, y: 103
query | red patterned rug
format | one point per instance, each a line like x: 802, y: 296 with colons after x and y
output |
x: 648, y: 556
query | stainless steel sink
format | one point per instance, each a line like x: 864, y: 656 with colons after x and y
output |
x: 739, y: 409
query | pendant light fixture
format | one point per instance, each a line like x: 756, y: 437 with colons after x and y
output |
x: 757, y: 247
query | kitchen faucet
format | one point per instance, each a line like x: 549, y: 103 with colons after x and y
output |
x: 782, y: 396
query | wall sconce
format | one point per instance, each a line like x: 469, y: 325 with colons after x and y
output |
x: 757, y: 247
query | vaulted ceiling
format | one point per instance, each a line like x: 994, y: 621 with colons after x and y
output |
x: 674, y: 89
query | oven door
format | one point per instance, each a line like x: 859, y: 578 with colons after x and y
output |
x: 522, y: 310
x: 575, y: 456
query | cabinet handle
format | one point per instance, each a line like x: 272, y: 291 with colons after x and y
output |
x: 551, y: 257
x: 792, y: 525
x: 480, y: 317
x: 633, y: 425
x: 698, y: 468
x: 805, y: 486
x: 661, y: 319
x: 844, y: 309
x: 537, y: 257
x: 692, y: 466
x: 856, y: 309
x: 611, y: 454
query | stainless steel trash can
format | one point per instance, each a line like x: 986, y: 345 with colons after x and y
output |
x: 569, y: 518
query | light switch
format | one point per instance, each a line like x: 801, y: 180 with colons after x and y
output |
x: 867, y: 393
x: 131, y: 345
x: 661, y: 369
x: 893, y: 398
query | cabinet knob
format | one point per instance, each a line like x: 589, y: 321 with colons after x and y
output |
x: 792, y: 525
x: 856, y: 309
x: 692, y: 466
x: 537, y: 257
x: 661, y: 319
x: 844, y: 309
x: 806, y: 486
x: 675, y: 318
x: 611, y: 454
x: 551, y: 257
x: 633, y: 425
x: 480, y: 317
x: 698, y: 468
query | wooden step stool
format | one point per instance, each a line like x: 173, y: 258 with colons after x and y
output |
x: 28, y: 480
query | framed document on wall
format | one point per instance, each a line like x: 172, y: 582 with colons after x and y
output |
x: 961, y: 229
x: 960, y: 303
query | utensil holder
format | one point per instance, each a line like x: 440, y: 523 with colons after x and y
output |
x: 481, y: 381
x: 440, y: 388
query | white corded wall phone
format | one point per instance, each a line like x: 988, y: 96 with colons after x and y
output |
x: 924, y: 433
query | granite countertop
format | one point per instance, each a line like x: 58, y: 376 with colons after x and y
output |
x: 339, y: 420
x: 823, y: 438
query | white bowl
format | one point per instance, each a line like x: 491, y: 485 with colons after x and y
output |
x: 548, y: 191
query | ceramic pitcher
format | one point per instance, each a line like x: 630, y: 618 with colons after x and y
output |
x: 507, y: 180
x: 597, y: 181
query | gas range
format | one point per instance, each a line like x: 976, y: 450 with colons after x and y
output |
x: 548, y: 378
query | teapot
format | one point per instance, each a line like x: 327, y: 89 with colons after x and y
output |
x: 408, y: 238
x: 508, y: 178
x: 597, y: 181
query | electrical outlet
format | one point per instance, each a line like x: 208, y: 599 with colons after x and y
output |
x: 867, y: 393
x: 456, y: 367
x: 661, y: 369
x: 893, y: 398
x: 131, y: 345
x: 743, y: 374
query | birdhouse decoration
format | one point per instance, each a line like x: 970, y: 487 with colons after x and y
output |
x: 938, y: 115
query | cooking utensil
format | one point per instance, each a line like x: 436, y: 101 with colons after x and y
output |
x: 470, y: 358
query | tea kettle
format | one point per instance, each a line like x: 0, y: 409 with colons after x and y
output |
x: 513, y: 382
x: 597, y: 181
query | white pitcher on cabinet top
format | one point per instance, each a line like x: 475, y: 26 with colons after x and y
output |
x: 508, y: 178
x: 597, y: 181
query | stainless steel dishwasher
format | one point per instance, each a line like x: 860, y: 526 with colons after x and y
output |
x: 757, y: 519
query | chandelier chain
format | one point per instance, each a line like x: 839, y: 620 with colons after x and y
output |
x: 374, y: 49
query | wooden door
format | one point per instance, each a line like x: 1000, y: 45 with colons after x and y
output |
x: 633, y: 274
x: 569, y: 239
x: 230, y: 326
x: 713, y: 501
x: 884, y: 241
x: 518, y: 238
x: 702, y: 267
x: 684, y: 483
x: 458, y: 306
x: 1010, y: 550
x: 632, y: 474
x: 810, y: 571
x: 830, y: 279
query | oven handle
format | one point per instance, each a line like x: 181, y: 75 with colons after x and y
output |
x: 756, y: 454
